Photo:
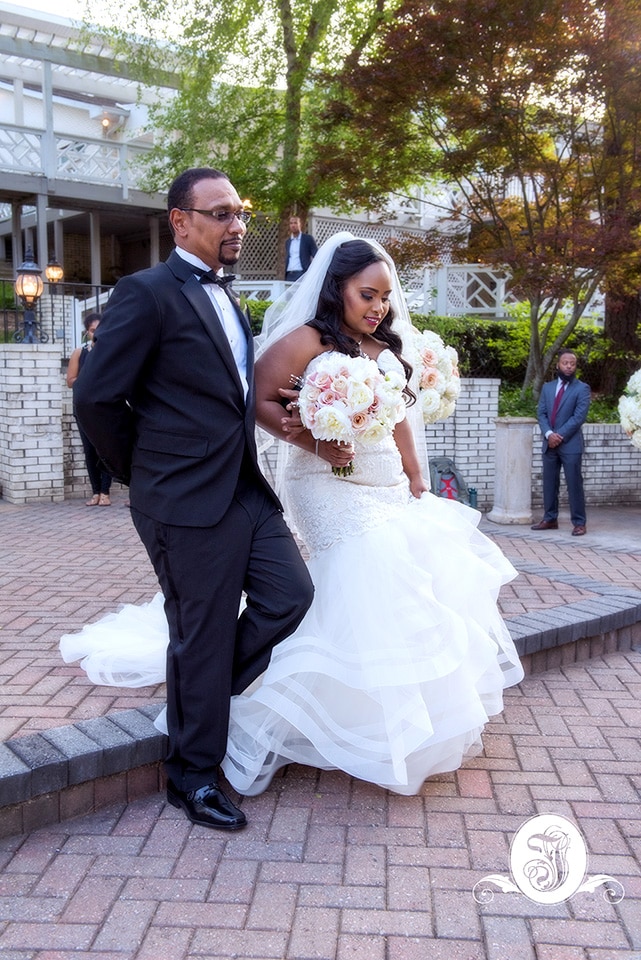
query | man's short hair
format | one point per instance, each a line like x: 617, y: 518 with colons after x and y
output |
x: 181, y: 190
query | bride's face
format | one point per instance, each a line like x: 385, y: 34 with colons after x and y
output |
x: 366, y: 300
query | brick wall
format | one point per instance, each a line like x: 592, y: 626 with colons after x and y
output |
x: 41, y: 455
x: 31, y: 442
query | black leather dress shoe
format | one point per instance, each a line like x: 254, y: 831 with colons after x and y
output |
x: 579, y: 531
x: 546, y: 525
x: 208, y: 807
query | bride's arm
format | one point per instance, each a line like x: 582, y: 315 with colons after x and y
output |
x: 405, y: 442
x: 290, y: 357
x: 287, y: 358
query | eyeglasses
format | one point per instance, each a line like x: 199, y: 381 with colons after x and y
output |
x: 221, y: 216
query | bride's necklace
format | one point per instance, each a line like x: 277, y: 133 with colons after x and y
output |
x: 358, y: 343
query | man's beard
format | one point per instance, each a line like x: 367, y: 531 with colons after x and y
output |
x: 228, y: 258
x: 565, y: 377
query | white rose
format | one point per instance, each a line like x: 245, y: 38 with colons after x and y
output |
x: 430, y: 402
x: 629, y: 414
x: 333, y: 423
x: 376, y: 432
x: 634, y: 383
x: 359, y: 395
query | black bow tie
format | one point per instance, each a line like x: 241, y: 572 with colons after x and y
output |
x: 208, y: 276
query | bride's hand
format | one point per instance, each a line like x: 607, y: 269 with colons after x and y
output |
x: 418, y: 486
x: 335, y: 453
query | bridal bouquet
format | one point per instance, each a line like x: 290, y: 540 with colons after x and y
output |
x: 348, y: 398
x: 439, y: 380
x: 630, y: 409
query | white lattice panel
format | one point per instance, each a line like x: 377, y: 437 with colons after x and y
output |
x: 88, y: 161
x: 19, y: 150
x: 260, y: 251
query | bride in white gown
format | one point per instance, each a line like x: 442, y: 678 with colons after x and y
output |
x: 403, y: 655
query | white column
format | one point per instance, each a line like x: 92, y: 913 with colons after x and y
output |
x: 16, y: 236
x: 513, y: 471
x: 42, y: 256
x: 18, y: 103
x: 59, y: 242
x: 94, y: 240
x: 49, y: 159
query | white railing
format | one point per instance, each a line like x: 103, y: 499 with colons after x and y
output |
x: 458, y: 289
x: 453, y: 290
x: 69, y: 157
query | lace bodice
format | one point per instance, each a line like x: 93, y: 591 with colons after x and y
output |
x: 325, y: 508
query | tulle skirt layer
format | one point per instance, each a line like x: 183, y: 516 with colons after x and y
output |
x: 397, y: 666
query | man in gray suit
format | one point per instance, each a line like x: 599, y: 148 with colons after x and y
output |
x: 562, y: 411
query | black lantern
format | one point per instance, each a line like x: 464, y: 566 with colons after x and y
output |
x: 29, y: 287
x: 53, y: 271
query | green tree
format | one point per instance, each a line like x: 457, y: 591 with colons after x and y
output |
x: 510, y: 105
x: 246, y: 93
x: 615, y: 66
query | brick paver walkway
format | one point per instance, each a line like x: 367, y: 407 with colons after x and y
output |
x: 329, y: 868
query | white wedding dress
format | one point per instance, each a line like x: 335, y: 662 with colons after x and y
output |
x: 401, y: 659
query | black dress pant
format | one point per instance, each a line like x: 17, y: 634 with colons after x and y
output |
x: 213, y: 652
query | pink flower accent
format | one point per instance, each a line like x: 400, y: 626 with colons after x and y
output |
x: 360, y: 421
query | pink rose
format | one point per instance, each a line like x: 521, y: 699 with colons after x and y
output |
x: 429, y: 378
x: 360, y: 421
x: 327, y: 397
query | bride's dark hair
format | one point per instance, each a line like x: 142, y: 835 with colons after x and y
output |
x: 349, y: 259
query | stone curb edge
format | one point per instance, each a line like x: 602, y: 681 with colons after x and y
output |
x: 47, y: 762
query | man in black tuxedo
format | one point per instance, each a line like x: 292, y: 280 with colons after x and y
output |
x: 167, y: 398
x: 300, y: 250
x: 562, y: 411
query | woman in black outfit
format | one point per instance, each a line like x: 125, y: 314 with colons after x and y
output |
x: 100, y: 480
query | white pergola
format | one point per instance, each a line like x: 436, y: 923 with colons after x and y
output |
x: 71, y: 131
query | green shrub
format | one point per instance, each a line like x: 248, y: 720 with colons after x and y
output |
x: 474, y: 340
x: 257, y: 313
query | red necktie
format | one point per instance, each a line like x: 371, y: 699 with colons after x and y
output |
x: 557, y: 403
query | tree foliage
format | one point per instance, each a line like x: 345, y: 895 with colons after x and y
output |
x: 529, y: 112
x: 246, y: 93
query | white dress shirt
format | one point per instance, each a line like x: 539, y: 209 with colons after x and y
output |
x: 227, y: 315
x: 293, y: 262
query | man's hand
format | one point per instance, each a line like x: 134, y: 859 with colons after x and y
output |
x: 555, y: 440
x: 292, y: 425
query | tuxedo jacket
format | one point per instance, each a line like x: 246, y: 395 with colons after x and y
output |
x: 161, y: 399
x: 570, y: 416
x: 308, y: 250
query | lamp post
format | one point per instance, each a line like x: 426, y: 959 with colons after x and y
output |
x: 29, y: 287
x: 54, y: 274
